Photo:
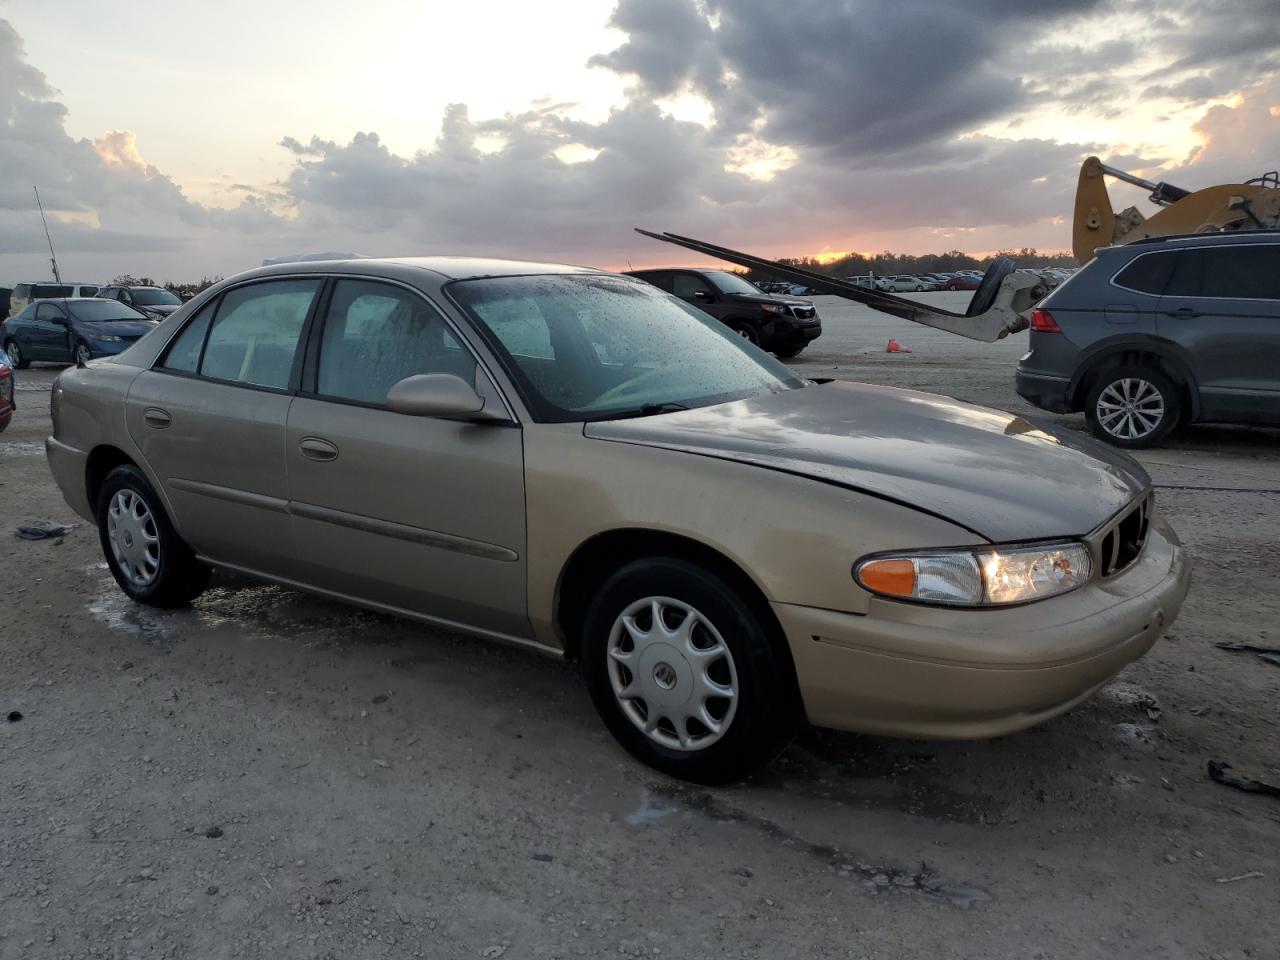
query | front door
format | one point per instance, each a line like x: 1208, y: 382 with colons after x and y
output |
x: 1222, y: 306
x: 413, y: 513
x: 49, y: 333
x: 210, y: 422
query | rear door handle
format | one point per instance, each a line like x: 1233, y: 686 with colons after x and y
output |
x: 1182, y: 312
x: 313, y: 448
x: 155, y: 417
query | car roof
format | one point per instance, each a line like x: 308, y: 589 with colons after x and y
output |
x: 450, y: 268
x: 1229, y: 237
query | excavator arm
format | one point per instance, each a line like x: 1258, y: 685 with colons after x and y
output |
x: 1000, y: 306
x: 1254, y: 205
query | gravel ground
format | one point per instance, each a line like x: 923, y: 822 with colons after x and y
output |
x: 268, y: 774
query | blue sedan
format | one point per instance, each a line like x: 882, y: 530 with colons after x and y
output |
x: 71, y: 331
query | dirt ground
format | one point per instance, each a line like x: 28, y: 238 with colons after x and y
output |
x: 272, y: 775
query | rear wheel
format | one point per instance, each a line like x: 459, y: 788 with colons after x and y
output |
x: 1132, y: 406
x: 15, y: 355
x: 149, y: 560
x: 684, y: 674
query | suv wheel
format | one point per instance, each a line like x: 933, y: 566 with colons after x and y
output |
x: 684, y: 674
x: 746, y: 332
x: 1132, y: 406
x: 787, y: 353
x: 15, y: 355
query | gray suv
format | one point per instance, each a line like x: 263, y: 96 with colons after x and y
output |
x: 1160, y: 332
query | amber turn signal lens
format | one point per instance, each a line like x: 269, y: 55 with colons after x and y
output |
x: 894, y: 578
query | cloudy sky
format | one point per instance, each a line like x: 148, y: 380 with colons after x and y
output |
x: 177, y: 139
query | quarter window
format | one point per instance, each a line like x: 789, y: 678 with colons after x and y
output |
x: 1148, y: 273
x: 185, y: 353
x: 255, y: 334
x: 375, y: 335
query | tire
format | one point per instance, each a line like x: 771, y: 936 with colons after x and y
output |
x: 15, y: 355
x: 149, y: 560
x: 1132, y: 406
x: 919, y: 289
x: 746, y: 332
x: 81, y: 354
x: 746, y: 730
x: 788, y: 353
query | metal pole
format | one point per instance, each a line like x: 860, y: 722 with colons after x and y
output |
x: 53, y: 257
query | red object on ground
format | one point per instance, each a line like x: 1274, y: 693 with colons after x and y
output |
x: 6, y: 395
x: 895, y: 347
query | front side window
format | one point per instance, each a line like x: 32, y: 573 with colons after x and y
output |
x: 49, y: 312
x: 1148, y: 273
x: 687, y: 285
x: 375, y: 335
x: 255, y: 333
x: 612, y: 346
x: 727, y: 282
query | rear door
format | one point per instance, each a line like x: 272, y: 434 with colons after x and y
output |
x: 1222, y: 305
x: 415, y: 513
x: 210, y: 419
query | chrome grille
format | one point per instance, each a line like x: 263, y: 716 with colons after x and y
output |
x: 1122, y: 542
x: 803, y: 313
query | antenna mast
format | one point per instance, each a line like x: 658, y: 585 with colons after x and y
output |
x: 53, y: 257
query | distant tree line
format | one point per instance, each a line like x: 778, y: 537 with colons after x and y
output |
x: 890, y: 264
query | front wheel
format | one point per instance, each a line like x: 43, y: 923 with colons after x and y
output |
x: 149, y: 560
x: 15, y: 355
x: 788, y: 353
x: 81, y: 354
x: 685, y: 675
x: 746, y: 332
x: 1132, y: 406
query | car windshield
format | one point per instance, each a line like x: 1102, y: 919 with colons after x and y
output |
x: 155, y: 298
x: 727, y: 282
x: 597, y: 347
x: 102, y: 311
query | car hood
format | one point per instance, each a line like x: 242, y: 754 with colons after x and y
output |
x: 770, y: 298
x: 1001, y: 476
x: 122, y: 328
x: 163, y: 309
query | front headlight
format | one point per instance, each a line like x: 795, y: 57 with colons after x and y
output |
x: 977, y: 576
x: 105, y: 337
x: 773, y: 308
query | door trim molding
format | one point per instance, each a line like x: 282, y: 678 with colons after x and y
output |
x: 230, y: 494
x: 403, y: 531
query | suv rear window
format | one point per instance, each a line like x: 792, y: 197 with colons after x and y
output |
x: 1148, y: 273
x: 49, y: 291
x: 1241, y: 272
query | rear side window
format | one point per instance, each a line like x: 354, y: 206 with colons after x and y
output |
x: 184, y: 354
x: 22, y: 291
x: 255, y: 334
x: 88, y: 291
x: 376, y: 334
x: 1148, y: 273
x: 1243, y: 272
x: 51, y: 291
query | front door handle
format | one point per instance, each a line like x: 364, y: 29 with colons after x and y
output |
x: 155, y: 417
x: 1183, y: 312
x: 313, y: 448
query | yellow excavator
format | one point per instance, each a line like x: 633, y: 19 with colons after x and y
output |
x: 1252, y: 205
x: 1003, y: 302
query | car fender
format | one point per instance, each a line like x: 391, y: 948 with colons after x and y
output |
x: 1169, y: 353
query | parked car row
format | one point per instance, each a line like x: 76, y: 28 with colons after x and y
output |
x: 154, y: 302
x: 71, y: 330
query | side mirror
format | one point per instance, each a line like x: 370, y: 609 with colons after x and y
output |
x: 438, y: 395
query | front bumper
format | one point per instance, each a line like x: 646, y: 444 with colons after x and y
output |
x: 913, y: 671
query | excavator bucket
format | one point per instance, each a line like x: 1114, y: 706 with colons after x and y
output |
x: 998, y: 306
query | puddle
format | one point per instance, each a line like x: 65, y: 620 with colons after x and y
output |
x: 648, y: 812
x: 876, y: 879
x: 118, y: 612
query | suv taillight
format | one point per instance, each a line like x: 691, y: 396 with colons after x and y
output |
x: 1042, y: 322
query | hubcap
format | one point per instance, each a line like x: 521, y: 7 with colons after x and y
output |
x: 14, y: 353
x: 134, y: 538
x: 83, y: 354
x: 744, y: 333
x: 1130, y: 408
x: 672, y: 673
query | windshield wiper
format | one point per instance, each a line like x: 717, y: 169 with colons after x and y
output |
x: 649, y: 410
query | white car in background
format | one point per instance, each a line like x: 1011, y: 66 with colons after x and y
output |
x: 901, y: 284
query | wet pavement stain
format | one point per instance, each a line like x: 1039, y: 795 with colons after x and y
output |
x: 874, y: 878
